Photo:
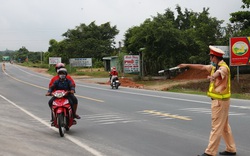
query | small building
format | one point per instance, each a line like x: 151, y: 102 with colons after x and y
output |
x: 111, y: 61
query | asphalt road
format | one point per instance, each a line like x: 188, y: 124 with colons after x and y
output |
x: 123, y: 122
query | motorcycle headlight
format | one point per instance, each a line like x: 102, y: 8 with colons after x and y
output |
x: 58, y: 95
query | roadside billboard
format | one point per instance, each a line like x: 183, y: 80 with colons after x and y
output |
x: 6, y: 58
x: 131, y: 64
x: 239, y: 51
x: 80, y: 62
x: 54, y: 60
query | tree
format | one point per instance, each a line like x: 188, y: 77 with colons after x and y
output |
x: 170, y: 40
x: 22, y: 54
x: 85, y: 41
x: 207, y: 31
x: 241, y: 19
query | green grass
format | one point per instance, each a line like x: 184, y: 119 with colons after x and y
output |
x: 36, y: 65
x: 98, y: 74
x: 241, y: 96
x: 189, y: 91
x: 92, y: 72
x: 151, y: 83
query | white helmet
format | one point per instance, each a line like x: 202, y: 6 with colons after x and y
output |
x: 62, y: 71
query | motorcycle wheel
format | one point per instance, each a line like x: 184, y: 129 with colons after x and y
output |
x: 116, y: 86
x: 60, y: 122
x: 67, y: 124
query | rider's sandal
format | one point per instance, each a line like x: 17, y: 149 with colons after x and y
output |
x: 52, y: 123
x: 74, y: 122
x: 77, y: 116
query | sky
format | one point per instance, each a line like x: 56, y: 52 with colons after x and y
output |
x: 33, y: 23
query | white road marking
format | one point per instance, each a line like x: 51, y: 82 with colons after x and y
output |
x: 72, y: 139
x: 208, y: 111
x: 102, y: 119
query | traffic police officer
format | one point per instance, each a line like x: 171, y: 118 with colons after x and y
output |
x: 220, y: 92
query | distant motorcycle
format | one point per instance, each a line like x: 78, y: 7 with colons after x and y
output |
x: 62, y: 112
x: 115, y: 83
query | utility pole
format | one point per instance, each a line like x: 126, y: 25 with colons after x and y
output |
x: 120, y: 45
x: 41, y: 57
x: 141, y: 53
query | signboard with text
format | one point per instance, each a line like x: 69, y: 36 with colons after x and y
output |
x: 80, y: 62
x: 55, y: 60
x: 239, y: 51
x: 131, y: 64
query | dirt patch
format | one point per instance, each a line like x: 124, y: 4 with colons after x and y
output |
x: 191, y: 74
x: 183, y: 78
x: 126, y: 82
x: 197, y: 80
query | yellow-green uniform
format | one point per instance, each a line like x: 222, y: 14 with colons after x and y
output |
x: 220, y: 92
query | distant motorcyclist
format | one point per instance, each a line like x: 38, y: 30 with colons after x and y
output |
x: 62, y: 84
x: 113, y: 74
x: 75, y: 100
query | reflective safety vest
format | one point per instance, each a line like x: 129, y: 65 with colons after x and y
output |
x: 226, y: 94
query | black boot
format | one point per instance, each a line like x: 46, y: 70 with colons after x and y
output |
x: 227, y: 153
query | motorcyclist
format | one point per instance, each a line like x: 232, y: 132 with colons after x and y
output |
x: 53, y: 79
x: 62, y: 84
x: 113, y: 74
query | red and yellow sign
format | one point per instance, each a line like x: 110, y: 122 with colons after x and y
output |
x: 240, y: 51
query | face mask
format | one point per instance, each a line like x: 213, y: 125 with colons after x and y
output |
x: 213, y: 64
x: 62, y: 76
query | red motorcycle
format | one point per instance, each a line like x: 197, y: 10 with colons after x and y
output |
x: 62, y: 112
